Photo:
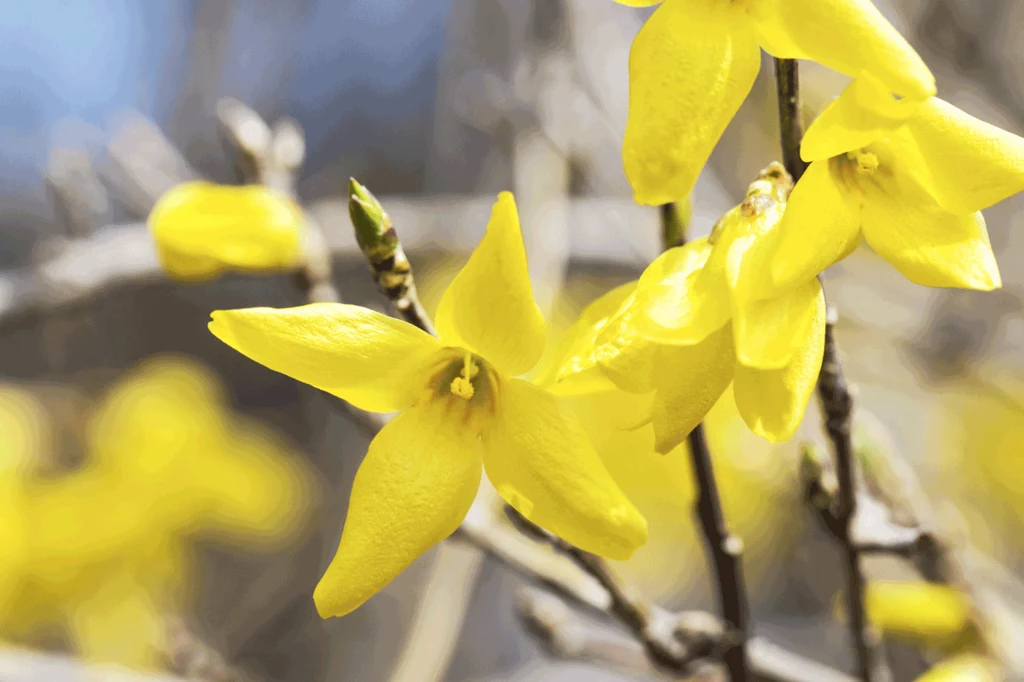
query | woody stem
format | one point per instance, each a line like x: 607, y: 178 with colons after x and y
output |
x: 837, y: 408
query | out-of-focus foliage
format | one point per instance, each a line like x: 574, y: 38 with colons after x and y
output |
x: 202, y: 230
x: 99, y: 554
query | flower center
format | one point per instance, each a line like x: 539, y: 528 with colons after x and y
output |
x: 867, y: 163
x: 462, y: 385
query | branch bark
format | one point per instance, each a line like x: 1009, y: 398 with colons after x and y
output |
x: 837, y: 406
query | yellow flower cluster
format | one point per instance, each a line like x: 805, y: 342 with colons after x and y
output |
x: 102, y: 550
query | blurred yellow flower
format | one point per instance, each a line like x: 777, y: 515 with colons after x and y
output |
x: 923, y: 613
x: 694, y: 61
x: 102, y: 551
x: 691, y: 325
x: 202, y: 230
x: 911, y: 177
x: 460, y: 410
x: 964, y: 668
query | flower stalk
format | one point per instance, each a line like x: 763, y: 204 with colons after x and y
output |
x: 837, y: 406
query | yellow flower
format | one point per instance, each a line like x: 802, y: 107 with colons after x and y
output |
x: 460, y: 411
x: 694, y: 61
x: 911, y: 177
x: 965, y: 668
x: 202, y: 230
x: 921, y: 613
x: 690, y: 326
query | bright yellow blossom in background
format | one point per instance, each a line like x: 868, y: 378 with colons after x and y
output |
x: 461, y: 410
x: 202, y: 230
x: 964, y: 668
x: 691, y: 325
x: 103, y: 551
x: 694, y: 62
x: 911, y: 177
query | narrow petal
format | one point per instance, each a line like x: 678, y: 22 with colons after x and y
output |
x: 929, y: 245
x: 373, y: 361
x: 863, y: 113
x: 850, y: 36
x: 970, y: 164
x: 691, y: 66
x: 821, y: 225
x: 574, y: 369
x: 541, y: 462
x: 769, y: 332
x: 627, y: 357
x: 681, y: 298
x: 201, y: 229
x: 772, y: 401
x: 413, y: 489
x: 489, y: 307
x: 691, y: 380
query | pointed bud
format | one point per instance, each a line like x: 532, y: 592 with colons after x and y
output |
x: 374, y: 231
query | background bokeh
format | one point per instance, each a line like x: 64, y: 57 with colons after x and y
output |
x: 436, y: 106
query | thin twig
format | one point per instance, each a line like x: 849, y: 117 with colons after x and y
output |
x: 837, y: 406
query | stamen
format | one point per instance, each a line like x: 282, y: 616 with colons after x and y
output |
x: 462, y: 385
x: 867, y: 163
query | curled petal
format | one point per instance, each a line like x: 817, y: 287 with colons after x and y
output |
x: 575, y: 369
x: 691, y: 379
x: 413, y: 489
x: 921, y: 612
x: 373, y: 361
x: 541, y: 462
x: 850, y: 36
x: 691, y: 66
x: 489, y: 307
x: 863, y: 113
x: 821, y: 226
x: 772, y: 401
x: 627, y: 357
x: 970, y: 164
x: 202, y: 229
x: 930, y: 245
x: 769, y: 332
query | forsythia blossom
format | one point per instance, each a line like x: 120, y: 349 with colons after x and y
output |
x: 690, y: 326
x: 694, y: 61
x: 460, y: 411
x: 202, y: 230
x: 911, y: 177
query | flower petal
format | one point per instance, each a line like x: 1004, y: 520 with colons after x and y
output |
x: 691, y: 379
x: 575, y: 369
x: 863, y: 113
x: 373, y: 361
x: 850, y: 36
x: 682, y: 296
x: 489, y: 307
x: 930, y: 245
x: 769, y: 332
x: 415, y: 486
x: 541, y: 462
x: 626, y: 357
x: 772, y: 401
x: 691, y: 66
x: 970, y: 164
x: 821, y: 226
x: 201, y: 229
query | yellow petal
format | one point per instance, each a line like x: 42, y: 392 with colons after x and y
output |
x: 964, y: 668
x: 574, y: 369
x: 929, y: 245
x: 850, y: 36
x: 415, y: 486
x: 970, y: 164
x: 202, y: 229
x: 691, y: 66
x: 626, y: 357
x: 821, y: 225
x: 863, y: 113
x: 540, y: 460
x: 682, y: 296
x: 919, y: 611
x: 772, y: 401
x: 373, y: 361
x: 691, y: 379
x: 769, y: 332
x: 489, y: 307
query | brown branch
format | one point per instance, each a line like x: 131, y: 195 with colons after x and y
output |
x: 837, y: 406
